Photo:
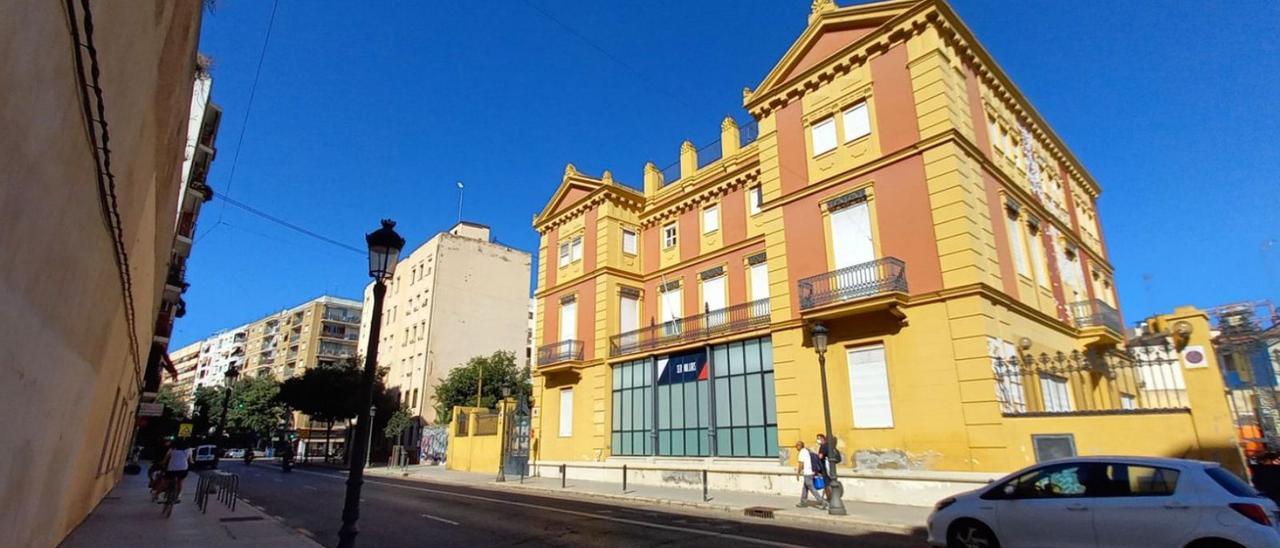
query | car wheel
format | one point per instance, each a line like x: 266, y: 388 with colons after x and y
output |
x: 971, y: 533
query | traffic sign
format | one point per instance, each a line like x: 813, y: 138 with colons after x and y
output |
x: 184, y: 430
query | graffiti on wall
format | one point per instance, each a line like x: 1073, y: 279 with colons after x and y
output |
x: 435, y: 443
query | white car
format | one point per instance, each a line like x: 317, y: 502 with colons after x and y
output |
x: 234, y: 454
x: 1106, y: 502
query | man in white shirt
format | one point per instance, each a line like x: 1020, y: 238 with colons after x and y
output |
x: 805, y: 466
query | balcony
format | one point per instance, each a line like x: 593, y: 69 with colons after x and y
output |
x: 690, y: 329
x: 174, y: 283
x: 559, y: 353
x: 868, y: 287
x: 1098, y: 321
x: 339, y: 315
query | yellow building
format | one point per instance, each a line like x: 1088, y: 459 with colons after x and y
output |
x: 895, y: 187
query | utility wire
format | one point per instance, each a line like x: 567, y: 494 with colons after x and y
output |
x: 244, y: 123
x: 301, y: 230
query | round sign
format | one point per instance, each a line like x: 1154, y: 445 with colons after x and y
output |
x: 1194, y: 357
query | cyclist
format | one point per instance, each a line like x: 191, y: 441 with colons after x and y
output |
x: 177, y: 463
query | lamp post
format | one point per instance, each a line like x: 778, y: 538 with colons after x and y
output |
x: 835, y: 506
x: 230, y: 377
x: 384, y: 251
x: 502, y: 444
x: 368, y: 447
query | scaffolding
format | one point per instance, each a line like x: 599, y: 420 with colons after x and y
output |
x: 1247, y: 343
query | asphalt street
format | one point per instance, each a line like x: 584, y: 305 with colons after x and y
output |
x: 410, y: 513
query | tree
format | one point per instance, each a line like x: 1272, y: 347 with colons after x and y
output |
x: 397, y: 422
x: 325, y: 394
x: 254, y: 408
x: 173, y: 404
x: 498, y: 370
x: 208, y: 403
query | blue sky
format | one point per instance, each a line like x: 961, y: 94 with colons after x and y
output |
x: 367, y: 113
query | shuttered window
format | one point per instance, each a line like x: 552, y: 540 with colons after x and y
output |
x: 869, y: 387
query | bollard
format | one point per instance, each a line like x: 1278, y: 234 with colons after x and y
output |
x: 562, y: 473
x: 522, y: 474
x: 624, y: 478
x: 704, y: 486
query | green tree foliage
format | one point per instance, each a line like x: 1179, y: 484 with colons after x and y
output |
x: 174, y: 406
x: 397, y: 422
x: 254, y: 407
x: 208, y: 403
x: 498, y: 370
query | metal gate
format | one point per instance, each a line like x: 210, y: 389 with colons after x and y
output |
x: 515, y: 459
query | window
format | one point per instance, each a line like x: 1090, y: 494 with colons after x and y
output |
x: 745, y: 405
x: 714, y: 300
x: 759, y: 281
x: 671, y: 310
x: 576, y: 249
x: 415, y: 397
x: 1037, y: 258
x: 1017, y: 244
x: 568, y: 320
x: 629, y: 314
x: 1231, y: 482
x: 629, y: 241
x: 570, y: 251
x: 683, y: 405
x: 566, y: 412
x: 1058, y: 481
x: 1056, y: 393
x: 1131, y: 480
x: 755, y: 199
x: 668, y: 235
x: 564, y: 254
x: 857, y: 122
x: 824, y: 136
x: 710, y: 219
x: 869, y: 388
x: 632, y: 408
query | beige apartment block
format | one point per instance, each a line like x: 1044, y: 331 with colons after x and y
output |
x: 79, y: 289
x: 320, y: 332
x: 457, y: 296
x: 186, y: 361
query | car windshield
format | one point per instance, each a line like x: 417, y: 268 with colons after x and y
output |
x: 1231, y: 482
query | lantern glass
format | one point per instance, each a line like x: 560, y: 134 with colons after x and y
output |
x: 384, y: 250
x: 819, y: 335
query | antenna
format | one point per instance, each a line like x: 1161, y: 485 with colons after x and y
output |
x: 461, y: 191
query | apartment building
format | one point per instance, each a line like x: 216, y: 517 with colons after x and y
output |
x: 220, y: 353
x: 92, y: 154
x: 457, y: 296
x: 320, y: 332
x: 186, y: 361
x: 893, y: 187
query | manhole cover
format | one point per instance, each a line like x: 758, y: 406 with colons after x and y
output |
x: 759, y: 512
x: 243, y: 518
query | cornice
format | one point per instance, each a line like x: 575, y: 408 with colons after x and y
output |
x: 696, y: 193
x: 592, y: 200
x: 593, y: 274
x: 984, y: 290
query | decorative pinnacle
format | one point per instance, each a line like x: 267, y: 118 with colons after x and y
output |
x: 570, y: 170
x: 688, y: 145
x: 728, y: 122
x: 819, y: 7
x: 607, y: 177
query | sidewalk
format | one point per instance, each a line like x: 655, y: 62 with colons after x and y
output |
x: 887, y: 518
x: 127, y: 517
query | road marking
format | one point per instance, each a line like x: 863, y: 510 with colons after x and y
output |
x: 572, y: 512
x: 449, y: 521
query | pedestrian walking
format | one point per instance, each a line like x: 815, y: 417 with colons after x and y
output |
x: 807, y: 465
x: 824, y: 453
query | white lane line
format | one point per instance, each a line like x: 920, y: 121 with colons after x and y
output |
x: 573, y: 512
x: 449, y: 521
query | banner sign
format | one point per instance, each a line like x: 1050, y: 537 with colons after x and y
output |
x: 682, y: 368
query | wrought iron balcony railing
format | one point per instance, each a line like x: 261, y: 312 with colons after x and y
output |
x: 1095, y: 313
x: 884, y: 275
x: 712, y: 323
x: 561, y: 351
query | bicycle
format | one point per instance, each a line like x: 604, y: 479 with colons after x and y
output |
x: 170, y: 495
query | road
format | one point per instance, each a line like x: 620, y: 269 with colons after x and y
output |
x: 398, y: 512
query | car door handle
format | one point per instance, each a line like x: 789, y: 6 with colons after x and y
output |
x: 1177, y: 506
x: 1077, y: 507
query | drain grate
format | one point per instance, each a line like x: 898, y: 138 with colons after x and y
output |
x: 243, y: 518
x: 759, y: 512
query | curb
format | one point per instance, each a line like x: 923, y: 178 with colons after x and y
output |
x: 784, y: 517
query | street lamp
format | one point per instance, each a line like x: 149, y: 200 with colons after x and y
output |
x: 835, y: 506
x: 230, y: 377
x: 502, y: 444
x: 384, y: 252
x: 368, y: 450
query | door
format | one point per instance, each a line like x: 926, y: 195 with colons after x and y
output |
x: 713, y: 300
x: 851, y: 242
x: 759, y: 281
x: 672, y: 310
x: 516, y: 454
x: 1048, y: 507
x: 629, y: 321
x: 1144, y: 508
x: 568, y: 321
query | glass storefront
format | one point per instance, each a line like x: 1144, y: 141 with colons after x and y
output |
x: 717, y: 403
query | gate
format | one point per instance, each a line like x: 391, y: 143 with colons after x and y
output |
x: 515, y: 458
